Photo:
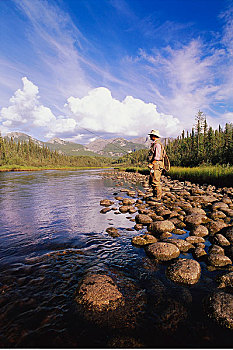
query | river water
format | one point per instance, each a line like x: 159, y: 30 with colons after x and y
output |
x: 51, y: 234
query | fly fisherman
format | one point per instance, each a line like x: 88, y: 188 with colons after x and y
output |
x: 156, y: 163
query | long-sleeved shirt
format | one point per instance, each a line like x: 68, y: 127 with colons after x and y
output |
x: 156, y: 151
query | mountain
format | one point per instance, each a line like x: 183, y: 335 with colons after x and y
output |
x: 115, y: 147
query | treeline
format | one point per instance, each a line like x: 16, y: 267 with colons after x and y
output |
x: 30, y: 154
x: 203, y: 145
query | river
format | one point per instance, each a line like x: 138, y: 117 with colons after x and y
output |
x: 51, y: 234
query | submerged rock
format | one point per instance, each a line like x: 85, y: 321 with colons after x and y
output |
x: 99, y: 292
x: 226, y: 281
x: 184, y: 271
x: 219, y: 307
x: 112, y: 232
x: 163, y: 251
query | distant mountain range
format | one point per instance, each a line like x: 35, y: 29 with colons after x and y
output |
x: 115, y: 147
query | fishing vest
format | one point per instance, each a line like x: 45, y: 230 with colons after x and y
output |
x: 164, y: 158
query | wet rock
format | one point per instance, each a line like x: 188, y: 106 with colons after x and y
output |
x: 195, y: 211
x: 163, y: 251
x: 180, y: 243
x: 195, y: 219
x: 165, y: 235
x: 216, y: 226
x: 119, y: 198
x: 178, y: 231
x: 106, y: 202
x: 199, y: 252
x: 132, y: 210
x: 161, y: 226
x: 99, y: 292
x: 199, y: 231
x: 228, y: 233
x: 143, y: 240
x: 124, y: 208
x: 216, y: 249
x: 172, y: 315
x: 226, y: 281
x: 221, y: 240
x: 184, y: 271
x: 113, y: 232
x: 215, y: 215
x: 143, y: 219
x: 220, y: 205
x: 218, y: 260
x: 194, y: 239
x: 219, y: 307
x: 138, y: 227
x: 127, y: 201
x: 105, y: 210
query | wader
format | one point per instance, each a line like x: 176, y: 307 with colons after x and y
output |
x: 155, y: 176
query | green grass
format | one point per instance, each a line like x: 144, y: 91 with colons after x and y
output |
x: 34, y: 168
x: 217, y: 175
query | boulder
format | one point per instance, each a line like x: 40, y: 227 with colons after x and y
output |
x: 219, y: 307
x: 180, y: 243
x: 226, y: 281
x: 106, y: 202
x: 124, y: 208
x: 184, y: 271
x: 163, y: 251
x: 220, y: 205
x: 228, y: 233
x: 221, y: 240
x: 178, y: 231
x: 143, y: 240
x: 195, y: 219
x: 199, y: 231
x: 218, y: 260
x: 195, y: 239
x: 143, y: 219
x: 199, y: 252
x: 113, y: 232
x: 161, y: 226
x: 99, y: 293
x: 216, y: 226
x: 105, y: 210
x: 128, y: 201
x: 216, y: 249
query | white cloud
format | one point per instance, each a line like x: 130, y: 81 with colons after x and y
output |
x: 26, y: 112
x: 100, y: 112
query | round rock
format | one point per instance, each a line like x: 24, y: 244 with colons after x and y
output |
x: 163, y: 251
x: 99, y: 292
x: 220, y: 308
x: 143, y: 219
x: 184, y: 271
x: 143, y: 240
x: 161, y: 226
x: 199, y: 231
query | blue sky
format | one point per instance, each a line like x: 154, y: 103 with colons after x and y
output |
x: 114, y: 67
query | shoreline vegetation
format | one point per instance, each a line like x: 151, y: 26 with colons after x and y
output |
x: 218, y: 175
x: 32, y: 168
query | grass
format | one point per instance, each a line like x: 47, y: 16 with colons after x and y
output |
x: 34, y: 168
x: 218, y: 175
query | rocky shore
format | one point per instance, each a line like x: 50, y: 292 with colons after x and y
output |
x: 189, y: 230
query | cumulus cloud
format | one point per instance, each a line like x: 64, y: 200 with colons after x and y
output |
x: 28, y: 114
x: 100, y: 112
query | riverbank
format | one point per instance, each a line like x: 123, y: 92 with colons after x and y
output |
x: 31, y: 168
x: 214, y: 175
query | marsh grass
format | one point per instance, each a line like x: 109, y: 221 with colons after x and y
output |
x: 217, y: 175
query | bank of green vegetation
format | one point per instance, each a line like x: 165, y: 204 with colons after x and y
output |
x: 203, y: 155
x: 30, y: 156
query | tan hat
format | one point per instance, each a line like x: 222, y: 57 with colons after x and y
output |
x: 155, y: 133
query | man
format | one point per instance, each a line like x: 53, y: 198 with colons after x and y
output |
x: 155, y: 160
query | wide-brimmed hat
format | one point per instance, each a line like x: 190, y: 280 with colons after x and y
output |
x: 155, y: 133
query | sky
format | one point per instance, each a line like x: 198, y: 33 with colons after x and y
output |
x: 82, y: 69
